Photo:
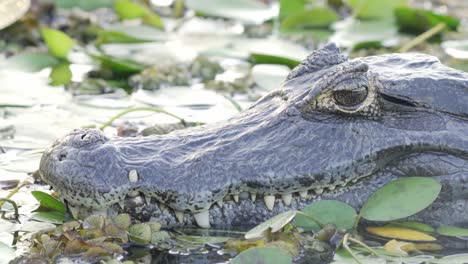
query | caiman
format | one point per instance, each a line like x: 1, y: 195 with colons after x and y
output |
x: 336, y: 129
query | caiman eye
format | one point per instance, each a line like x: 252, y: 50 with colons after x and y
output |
x: 350, y: 98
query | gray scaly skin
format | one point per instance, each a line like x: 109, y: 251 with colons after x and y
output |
x: 336, y: 129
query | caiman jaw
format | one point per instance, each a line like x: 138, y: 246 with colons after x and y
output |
x: 136, y: 199
x: 337, y: 129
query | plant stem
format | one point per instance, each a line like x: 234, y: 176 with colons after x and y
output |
x: 363, y: 245
x: 152, y: 109
x: 13, y: 192
x: 6, y: 200
x: 233, y: 102
x: 423, y: 37
x: 347, y: 248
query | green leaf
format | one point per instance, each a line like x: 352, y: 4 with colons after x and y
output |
x: 127, y: 9
x: 452, y: 231
x: 259, y: 255
x: 31, y: 62
x: 59, y: 43
x: 320, y: 17
x: 151, y: 19
x: 87, y: 5
x: 248, y: 11
x: 275, y: 223
x: 119, y: 66
x: 48, y: 201
x: 413, y: 225
x: 289, y: 7
x: 60, y: 74
x: 417, y: 21
x: 401, y: 198
x: 371, y: 9
x: 50, y: 217
x: 117, y: 37
x: 327, y: 212
x: 259, y: 58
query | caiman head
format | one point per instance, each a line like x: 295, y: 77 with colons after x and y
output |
x: 336, y: 129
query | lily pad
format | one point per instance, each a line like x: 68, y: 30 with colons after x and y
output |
x: 48, y: 201
x: 452, y: 231
x: 275, y: 224
x: 268, y: 77
x: 59, y: 43
x: 350, y: 32
x: 87, y: 5
x: 31, y: 62
x: 288, y: 7
x: 456, y: 48
x: 320, y: 17
x: 248, y: 11
x: 260, y: 255
x: 453, y: 259
x: 401, y: 198
x: 140, y: 233
x: 371, y: 9
x: 7, y: 253
x: 327, y: 212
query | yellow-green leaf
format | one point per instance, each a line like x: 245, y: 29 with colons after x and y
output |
x: 399, y: 233
x: 58, y: 43
x: 60, y: 74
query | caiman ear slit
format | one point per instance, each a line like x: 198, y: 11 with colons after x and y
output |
x: 321, y: 58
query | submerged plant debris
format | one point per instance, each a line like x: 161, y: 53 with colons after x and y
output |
x: 139, y: 68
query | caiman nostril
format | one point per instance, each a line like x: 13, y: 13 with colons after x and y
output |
x: 62, y: 156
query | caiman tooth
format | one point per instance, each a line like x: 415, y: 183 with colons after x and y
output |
x: 287, y: 198
x: 133, y: 176
x: 220, y: 203
x: 354, y: 180
x: 253, y: 196
x: 318, y: 191
x: 180, y: 216
x: 343, y: 184
x: 331, y: 188
x: 203, y: 219
x: 235, y: 197
x: 269, y: 201
x: 303, y: 194
x: 147, y: 200
x: 122, y: 205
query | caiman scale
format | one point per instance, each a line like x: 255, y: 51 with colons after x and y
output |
x: 336, y: 129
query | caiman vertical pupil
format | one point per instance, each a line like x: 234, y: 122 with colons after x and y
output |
x: 349, y: 98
